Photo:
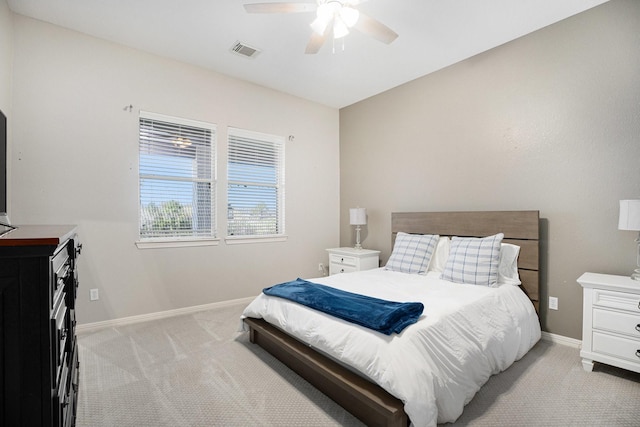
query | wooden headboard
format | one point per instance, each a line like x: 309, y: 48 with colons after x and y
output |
x: 519, y: 227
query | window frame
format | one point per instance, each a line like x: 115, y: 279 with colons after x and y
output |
x: 181, y: 241
x: 278, y: 144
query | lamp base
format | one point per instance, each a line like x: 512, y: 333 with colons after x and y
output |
x: 636, y: 273
x: 358, y: 245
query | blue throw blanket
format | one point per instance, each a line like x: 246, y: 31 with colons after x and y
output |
x: 377, y: 314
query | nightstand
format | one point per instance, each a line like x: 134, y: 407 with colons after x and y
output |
x: 346, y: 260
x: 611, y: 321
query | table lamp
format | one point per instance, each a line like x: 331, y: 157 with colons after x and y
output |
x: 630, y: 220
x: 358, y: 217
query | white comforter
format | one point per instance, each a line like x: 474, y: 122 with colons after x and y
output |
x: 466, y: 334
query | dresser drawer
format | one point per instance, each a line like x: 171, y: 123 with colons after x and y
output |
x: 339, y: 268
x: 619, y: 300
x: 60, y: 399
x: 343, y: 260
x: 60, y: 335
x: 619, y: 347
x: 623, y: 323
x: 60, y: 258
x: 62, y: 267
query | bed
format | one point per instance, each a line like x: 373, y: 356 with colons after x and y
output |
x: 428, y: 372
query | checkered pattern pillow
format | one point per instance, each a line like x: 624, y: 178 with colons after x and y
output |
x: 473, y: 260
x: 412, y: 253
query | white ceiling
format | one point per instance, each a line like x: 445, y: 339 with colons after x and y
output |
x: 432, y: 35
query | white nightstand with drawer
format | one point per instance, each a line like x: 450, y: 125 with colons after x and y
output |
x: 346, y: 260
x: 610, y: 321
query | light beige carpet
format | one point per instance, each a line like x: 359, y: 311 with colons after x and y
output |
x: 197, y: 370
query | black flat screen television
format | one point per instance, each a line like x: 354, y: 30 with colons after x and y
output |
x: 3, y: 164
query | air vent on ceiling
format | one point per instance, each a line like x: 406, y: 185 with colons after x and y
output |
x: 245, y: 50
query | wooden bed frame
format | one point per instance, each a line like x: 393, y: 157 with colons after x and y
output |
x: 364, y: 399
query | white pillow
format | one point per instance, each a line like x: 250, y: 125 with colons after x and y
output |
x: 474, y: 260
x: 412, y: 253
x: 508, y: 266
x: 439, y: 258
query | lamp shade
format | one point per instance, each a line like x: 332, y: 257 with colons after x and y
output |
x: 357, y: 216
x: 629, y: 215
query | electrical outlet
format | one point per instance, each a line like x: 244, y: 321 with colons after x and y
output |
x: 553, y: 303
x: 94, y: 295
x: 321, y: 267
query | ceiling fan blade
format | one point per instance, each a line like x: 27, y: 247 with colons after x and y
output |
x: 315, y: 42
x: 280, y: 7
x: 375, y: 29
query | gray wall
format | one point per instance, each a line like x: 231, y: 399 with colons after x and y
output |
x: 74, y: 160
x: 550, y: 122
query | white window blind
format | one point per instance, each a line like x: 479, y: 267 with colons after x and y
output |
x: 255, y: 184
x: 177, y: 178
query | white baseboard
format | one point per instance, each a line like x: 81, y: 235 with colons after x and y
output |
x: 86, y: 327
x: 560, y: 339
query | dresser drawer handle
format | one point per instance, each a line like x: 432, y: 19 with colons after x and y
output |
x: 638, y: 327
x: 638, y: 353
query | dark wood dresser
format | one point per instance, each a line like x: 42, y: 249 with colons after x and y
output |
x: 38, y: 349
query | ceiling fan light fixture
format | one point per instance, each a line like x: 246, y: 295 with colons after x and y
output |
x: 349, y: 16
x: 340, y: 29
x: 336, y: 14
x: 326, y: 11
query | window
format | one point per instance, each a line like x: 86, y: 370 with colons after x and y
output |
x: 177, y: 178
x: 255, y: 184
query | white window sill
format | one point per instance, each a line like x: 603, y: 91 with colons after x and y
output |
x: 161, y: 244
x: 240, y: 240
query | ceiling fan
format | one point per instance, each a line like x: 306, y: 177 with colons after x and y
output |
x: 332, y: 16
